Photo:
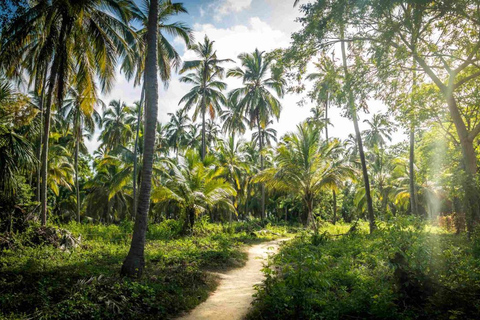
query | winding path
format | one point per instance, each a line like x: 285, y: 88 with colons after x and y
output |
x: 234, y: 294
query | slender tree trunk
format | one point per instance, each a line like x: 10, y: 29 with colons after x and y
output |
x: 353, y: 111
x: 334, y: 207
x: 135, y: 150
x: 77, y: 143
x: 203, y: 135
x: 135, y: 261
x: 411, y: 164
x: 327, y: 139
x: 260, y: 143
x: 46, y: 134
x: 40, y: 138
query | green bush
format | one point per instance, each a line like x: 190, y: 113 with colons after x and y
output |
x: 403, y: 271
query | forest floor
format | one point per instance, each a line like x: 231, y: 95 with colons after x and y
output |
x: 40, y: 280
x: 233, y: 297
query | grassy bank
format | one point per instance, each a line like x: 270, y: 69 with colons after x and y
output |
x: 405, y: 270
x: 40, y: 280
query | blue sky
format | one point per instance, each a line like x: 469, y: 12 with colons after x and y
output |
x: 238, y: 26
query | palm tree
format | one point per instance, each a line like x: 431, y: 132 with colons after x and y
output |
x: 115, y: 121
x: 267, y: 135
x: 306, y: 166
x: 135, y: 260
x: 168, y: 57
x: 177, y: 129
x: 231, y: 158
x: 81, y: 114
x: 212, y: 132
x: 233, y: 120
x: 206, y: 93
x: 254, y: 99
x: 65, y: 39
x: 379, y: 132
x: 196, y: 187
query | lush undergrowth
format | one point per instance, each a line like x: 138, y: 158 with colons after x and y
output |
x: 44, y: 282
x: 405, y: 270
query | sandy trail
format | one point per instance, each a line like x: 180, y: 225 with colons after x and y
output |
x: 235, y: 292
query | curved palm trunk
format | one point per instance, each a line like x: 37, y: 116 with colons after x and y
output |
x: 353, y: 111
x: 135, y: 151
x: 46, y: 134
x: 135, y: 261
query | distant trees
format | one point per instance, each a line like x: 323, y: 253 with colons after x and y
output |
x: 306, y: 166
x: 255, y: 99
x: 206, y: 94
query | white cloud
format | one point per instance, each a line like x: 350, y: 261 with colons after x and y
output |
x: 228, y: 6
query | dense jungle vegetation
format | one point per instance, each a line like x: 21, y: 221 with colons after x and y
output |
x: 380, y: 228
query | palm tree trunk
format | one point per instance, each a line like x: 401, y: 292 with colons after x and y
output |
x: 46, y: 134
x: 260, y: 142
x: 334, y: 207
x: 135, y: 261
x: 411, y: 164
x: 326, y: 138
x: 40, y: 138
x: 77, y: 143
x: 135, y: 151
x: 353, y: 112
x: 203, y: 135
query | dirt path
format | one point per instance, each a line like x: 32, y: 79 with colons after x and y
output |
x: 233, y: 296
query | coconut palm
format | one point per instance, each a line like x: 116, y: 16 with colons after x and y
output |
x: 168, y: 57
x: 267, y: 135
x: 233, y: 120
x: 135, y: 261
x: 305, y: 167
x: 231, y: 158
x: 379, y: 131
x: 196, y: 187
x: 177, y: 129
x: 82, y: 116
x: 65, y: 39
x: 206, y: 94
x: 254, y: 99
x: 116, y: 127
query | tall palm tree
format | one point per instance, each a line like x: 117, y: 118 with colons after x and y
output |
x: 206, y: 94
x: 82, y: 116
x: 254, y: 99
x: 168, y: 57
x: 305, y: 166
x: 62, y: 38
x: 135, y: 261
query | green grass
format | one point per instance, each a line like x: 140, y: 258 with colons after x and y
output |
x: 42, y: 281
x: 405, y: 270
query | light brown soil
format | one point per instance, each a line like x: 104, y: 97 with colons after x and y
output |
x: 234, y: 294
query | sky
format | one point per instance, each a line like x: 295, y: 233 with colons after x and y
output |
x: 239, y: 26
